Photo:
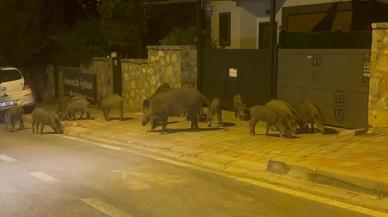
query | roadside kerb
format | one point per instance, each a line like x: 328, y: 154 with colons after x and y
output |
x: 248, y: 169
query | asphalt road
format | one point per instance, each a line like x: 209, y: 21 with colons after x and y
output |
x: 48, y: 175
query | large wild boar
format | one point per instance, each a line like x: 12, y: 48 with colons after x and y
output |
x: 287, y: 117
x: 172, y: 103
x: 262, y: 113
x: 215, y: 109
x: 311, y: 114
x: 112, y: 102
x: 41, y: 118
x: 240, y: 109
x: 70, y: 110
x: 13, y: 115
x: 162, y: 88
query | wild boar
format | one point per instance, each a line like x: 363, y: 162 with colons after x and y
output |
x: 215, y: 109
x: 287, y: 117
x: 297, y: 114
x: 41, y: 118
x: 311, y: 114
x: 240, y: 109
x: 13, y: 115
x: 172, y: 103
x: 162, y: 88
x: 262, y: 113
x: 70, y: 110
x: 110, y: 103
x: 64, y: 101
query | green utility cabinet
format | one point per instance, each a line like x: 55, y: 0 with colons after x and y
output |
x: 335, y: 80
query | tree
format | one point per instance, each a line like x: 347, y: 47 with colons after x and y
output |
x: 22, y: 36
x: 78, y: 44
x: 124, y: 24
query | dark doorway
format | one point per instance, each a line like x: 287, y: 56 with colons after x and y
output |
x: 264, y: 35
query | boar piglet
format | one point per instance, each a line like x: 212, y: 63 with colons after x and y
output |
x: 215, y: 109
x: 311, y: 114
x: 13, y: 115
x: 110, y: 103
x: 41, y: 118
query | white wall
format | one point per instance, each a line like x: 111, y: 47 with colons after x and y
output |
x: 248, y: 30
x: 245, y: 19
x: 227, y: 6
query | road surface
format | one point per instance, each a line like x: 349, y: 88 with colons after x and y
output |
x: 49, y: 175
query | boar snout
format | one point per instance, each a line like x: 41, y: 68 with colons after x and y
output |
x: 145, y: 121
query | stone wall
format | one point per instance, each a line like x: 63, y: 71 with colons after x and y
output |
x: 175, y: 65
x: 378, y: 85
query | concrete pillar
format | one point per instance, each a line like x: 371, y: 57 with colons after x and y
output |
x: 378, y: 84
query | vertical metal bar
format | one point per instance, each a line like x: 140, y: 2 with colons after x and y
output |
x: 199, y: 44
x: 273, y: 49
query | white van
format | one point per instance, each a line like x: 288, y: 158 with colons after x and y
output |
x: 15, y: 90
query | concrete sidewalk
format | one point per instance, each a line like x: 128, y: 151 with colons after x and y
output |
x: 341, y: 159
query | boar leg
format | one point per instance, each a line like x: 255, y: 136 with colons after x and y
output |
x: 41, y: 128
x: 122, y: 111
x: 312, y: 126
x: 107, y: 115
x: 220, y: 121
x: 21, y: 123
x: 210, y: 120
x: 164, y: 124
x: 194, y: 121
x: 252, y: 126
x: 33, y: 126
x: 82, y: 114
x: 268, y: 127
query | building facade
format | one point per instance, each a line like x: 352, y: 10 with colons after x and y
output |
x: 244, y: 24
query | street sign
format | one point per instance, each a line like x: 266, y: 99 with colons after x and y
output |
x: 77, y: 83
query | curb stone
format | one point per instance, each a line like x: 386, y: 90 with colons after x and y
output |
x: 334, y: 179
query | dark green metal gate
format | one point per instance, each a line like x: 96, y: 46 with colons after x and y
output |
x: 227, y: 72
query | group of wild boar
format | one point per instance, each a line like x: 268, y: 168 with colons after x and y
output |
x: 185, y: 101
x: 67, y: 110
x: 283, y: 116
x: 279, y: 115
x: 40, y: 118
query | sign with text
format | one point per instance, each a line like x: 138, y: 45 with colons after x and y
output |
x: 76, y: 83
x: 233, y: 72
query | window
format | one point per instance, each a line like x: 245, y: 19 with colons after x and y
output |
x: 9, y: 75
x: 225, y: 29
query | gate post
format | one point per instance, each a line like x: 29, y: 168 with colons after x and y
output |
x: 378, y: 90
x: 273, y: 49
x: 199, y: 44
x: 117, y: 79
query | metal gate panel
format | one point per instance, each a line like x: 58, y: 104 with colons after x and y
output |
x: 332, y: 79
x: 252, y: 78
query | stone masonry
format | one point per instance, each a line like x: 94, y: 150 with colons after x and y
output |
x: 175, y: 65
x: 378, y: 90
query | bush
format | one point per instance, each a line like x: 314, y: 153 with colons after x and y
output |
x: 180, y: 37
